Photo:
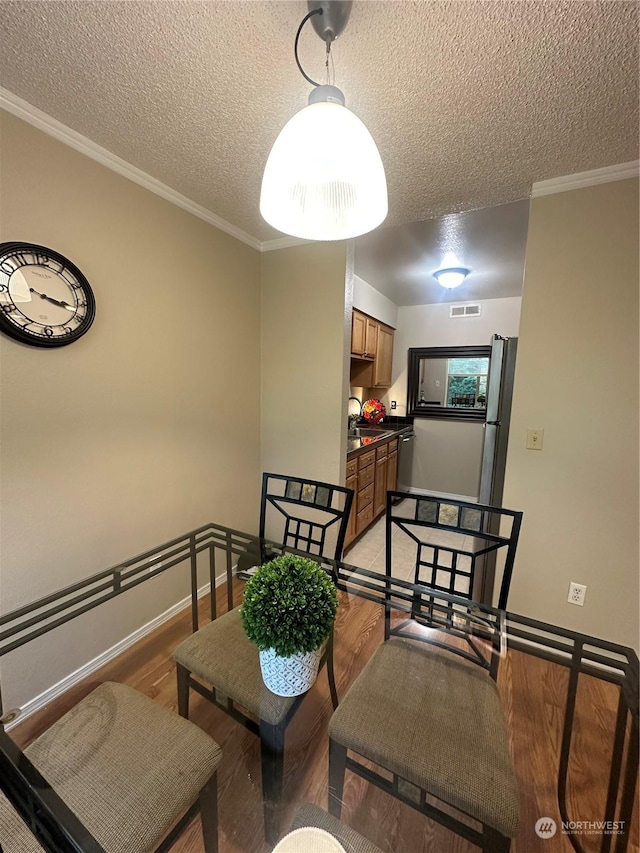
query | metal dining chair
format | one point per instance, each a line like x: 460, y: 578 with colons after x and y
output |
x: 427, y: 710
x: 130, y: 774
x: 454, y: 545
x: 305, y: 516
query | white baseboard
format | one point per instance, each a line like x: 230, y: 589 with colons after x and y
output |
x: 431, y: 494
x: 87, y: 669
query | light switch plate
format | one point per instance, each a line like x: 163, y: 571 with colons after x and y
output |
x: 535, y: 438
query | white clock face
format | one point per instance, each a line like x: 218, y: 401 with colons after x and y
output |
x: 44, y: 299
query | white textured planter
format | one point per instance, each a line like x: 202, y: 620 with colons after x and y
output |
x: 289, y: 676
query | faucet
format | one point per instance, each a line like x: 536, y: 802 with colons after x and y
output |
x: 352, y: 420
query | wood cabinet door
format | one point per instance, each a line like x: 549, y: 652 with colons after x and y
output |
x: 384, y: 358
x: 351, y: 483
x: 364, y: 518
x: 358, y: 333
x: 370, y: 338
x: 380, y: 488
x: 392, y: 472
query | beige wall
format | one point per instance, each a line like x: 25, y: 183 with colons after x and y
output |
x: 577, y: 378
x: 369, y: 300
x: 304, y: 314
x: 431, y: 326
x: 140, y: 431
x: 447, y: 455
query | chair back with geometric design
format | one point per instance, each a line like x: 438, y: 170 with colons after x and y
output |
x: 451, y: 545
x: 306, y: 515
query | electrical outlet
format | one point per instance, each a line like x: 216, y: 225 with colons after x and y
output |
x: 393, y: 404
x: 154, y: 566
x: 577, y: 592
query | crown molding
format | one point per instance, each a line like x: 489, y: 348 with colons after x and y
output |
x: 606, y: 175
x: 283, y: 243
x: 32, y: 115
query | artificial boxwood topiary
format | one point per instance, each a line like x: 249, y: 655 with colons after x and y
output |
x: 289, y: 605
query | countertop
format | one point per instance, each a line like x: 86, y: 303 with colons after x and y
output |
x: 356, y: 446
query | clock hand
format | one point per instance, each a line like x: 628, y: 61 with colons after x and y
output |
x: 62, y: 303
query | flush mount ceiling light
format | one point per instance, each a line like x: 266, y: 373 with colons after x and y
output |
x: 324, y: 179
x: 452, y: 277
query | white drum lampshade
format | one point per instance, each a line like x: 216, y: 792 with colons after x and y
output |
x: 324, y: 179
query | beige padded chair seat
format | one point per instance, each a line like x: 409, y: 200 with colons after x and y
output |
x: 436, y: 720
x: 127, y: 767
x: 352, y: 841
x: 221, y: 655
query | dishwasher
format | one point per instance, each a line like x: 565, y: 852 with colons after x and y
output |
x: 405, y: 459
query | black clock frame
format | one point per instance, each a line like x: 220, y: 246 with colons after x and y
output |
x: 23, y: 336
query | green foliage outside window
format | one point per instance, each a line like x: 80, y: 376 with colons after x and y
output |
x: 466, y: 381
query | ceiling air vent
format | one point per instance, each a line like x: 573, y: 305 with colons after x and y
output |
x: 464, y: 310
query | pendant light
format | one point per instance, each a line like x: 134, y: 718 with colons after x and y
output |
x: 324, y: 179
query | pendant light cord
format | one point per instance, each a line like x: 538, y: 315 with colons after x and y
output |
x: 331, y: 73
x: 295, y: 46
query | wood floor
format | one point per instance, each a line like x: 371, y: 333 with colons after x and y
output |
x: 533, y: 693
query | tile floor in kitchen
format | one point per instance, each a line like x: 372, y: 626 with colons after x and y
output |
x: 369, y: 553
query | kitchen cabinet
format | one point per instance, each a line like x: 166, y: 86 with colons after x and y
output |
x: 352, y: 483
x: 364, y: 336
x: 371, y: 475
x: 371, y: 338
x: 358, y: 334
x: 371, y: 352
x: 380, y: 487
x: 364, y: 495
x: 384, y: 357
x: 361, y: 478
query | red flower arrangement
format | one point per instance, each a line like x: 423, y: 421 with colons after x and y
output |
x: 373, y: 411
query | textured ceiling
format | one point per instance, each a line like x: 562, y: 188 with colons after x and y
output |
x: 400, y: 261
x: 469, y: 102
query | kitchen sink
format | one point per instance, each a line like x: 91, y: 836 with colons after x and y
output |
x: 359, y: 432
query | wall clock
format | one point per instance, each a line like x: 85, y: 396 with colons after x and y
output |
x: 45, y: 300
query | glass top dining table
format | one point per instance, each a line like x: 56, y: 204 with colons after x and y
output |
x: 570, y: 702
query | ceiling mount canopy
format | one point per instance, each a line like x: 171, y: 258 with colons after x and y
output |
x: 324, y: 179
x: 330, y: 22
x: 451, y: 277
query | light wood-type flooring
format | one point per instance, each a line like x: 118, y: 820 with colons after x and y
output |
x: 533, y: 693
